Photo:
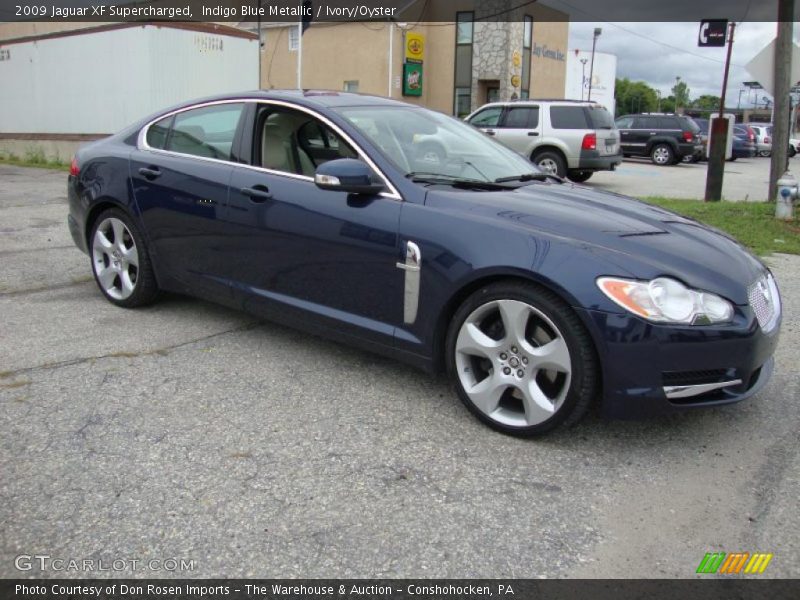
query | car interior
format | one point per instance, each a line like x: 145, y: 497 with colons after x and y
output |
x: 293, y: 142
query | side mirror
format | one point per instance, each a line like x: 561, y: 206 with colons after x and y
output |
x: 347, y: 175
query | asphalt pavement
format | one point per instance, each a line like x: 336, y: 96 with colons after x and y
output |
x: 745, y: 180
x: 189, y: 432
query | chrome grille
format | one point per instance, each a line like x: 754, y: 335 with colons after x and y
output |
x: 765, y: 300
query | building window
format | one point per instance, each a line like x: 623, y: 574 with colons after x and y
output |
x: 294, y: 39
x: 462, y: 96
x: 464, y: 27
x: 527, y: 42
x: 351, y: 86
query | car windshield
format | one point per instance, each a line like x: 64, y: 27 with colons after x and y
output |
x: 426, y: 144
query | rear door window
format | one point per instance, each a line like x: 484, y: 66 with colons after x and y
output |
x: 522, y: 117
x: 645, y: 123
x: 207, y: 132
x: 568, y: 117
x: 669, y: 123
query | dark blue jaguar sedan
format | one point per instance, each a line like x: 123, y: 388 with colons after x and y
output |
x: 328, y: 212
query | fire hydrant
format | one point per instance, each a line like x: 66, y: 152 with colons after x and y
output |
x: 787, y: 193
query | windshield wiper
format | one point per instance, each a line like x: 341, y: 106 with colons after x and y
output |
x: 455, y: 181
x: 528, y: 177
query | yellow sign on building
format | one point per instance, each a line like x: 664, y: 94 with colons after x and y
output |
x: 415, y: 47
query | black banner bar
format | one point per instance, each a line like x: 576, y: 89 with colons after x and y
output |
x: 733, y: 588
x: 429, y: 11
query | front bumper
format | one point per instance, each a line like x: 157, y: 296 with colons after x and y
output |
x: 651, y: 369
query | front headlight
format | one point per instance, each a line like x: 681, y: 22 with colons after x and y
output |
x: 665, y: 300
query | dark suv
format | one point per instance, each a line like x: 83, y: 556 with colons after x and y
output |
x: 666, y: 139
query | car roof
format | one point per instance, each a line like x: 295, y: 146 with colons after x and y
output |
x: 309, y: 98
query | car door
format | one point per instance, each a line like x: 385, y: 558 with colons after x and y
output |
x: 325, y: 257
x: 519, y: 129
x: 180, y: 174
x: 644, y: 128
x: 625, y: 127
x: 487, y: 119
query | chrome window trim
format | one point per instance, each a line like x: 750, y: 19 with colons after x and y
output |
x: 141, y: 142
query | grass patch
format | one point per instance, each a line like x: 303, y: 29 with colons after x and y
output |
x: 752, y: 223
x: 34, y: 158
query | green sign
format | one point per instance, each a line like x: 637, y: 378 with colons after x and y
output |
x: 412, y: 79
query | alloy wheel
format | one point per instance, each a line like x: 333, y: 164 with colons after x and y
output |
x: 115, y: 258
x: 549, y: 165
x: 513, y: 363
x: 661, y: 155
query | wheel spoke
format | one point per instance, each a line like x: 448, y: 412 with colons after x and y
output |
x: 119, y: 232
x: 101, y: 243
x: 472, y: 341
x: 486, y: 394
x: 127, y: 283
x: 515, y: 317
x: 106, y: 276
x: 538, y: 407
x: 552, y: 355
x: 130, y: 255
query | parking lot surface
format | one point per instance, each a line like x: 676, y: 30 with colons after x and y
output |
x: 189, y: 431
x: 746, y: 179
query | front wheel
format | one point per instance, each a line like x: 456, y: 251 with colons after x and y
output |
x: 120, y: 261
x: 662, y: 155
x: 792, y: 151
x: 521, y: 360
x: 579, y: 176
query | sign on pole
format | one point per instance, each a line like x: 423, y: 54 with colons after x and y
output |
x: 713, y: 32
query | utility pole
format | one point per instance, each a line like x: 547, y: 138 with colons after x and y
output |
x: 780, y: 127
x: 718, y: 130
x: 597, y: 32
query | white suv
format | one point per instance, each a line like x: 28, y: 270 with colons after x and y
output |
x: 570, y: 138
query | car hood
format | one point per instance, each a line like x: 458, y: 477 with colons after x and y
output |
x: 643, y: 240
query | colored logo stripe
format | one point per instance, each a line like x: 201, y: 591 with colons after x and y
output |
x: 711, y: 562
x: 732, y: 564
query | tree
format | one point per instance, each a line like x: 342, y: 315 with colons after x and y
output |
x: 668, y: 104
x: 634, y: 97
x: 681, y: 92
x: 706, y: 102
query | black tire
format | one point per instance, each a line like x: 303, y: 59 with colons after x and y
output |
x: 792, y: 151
x: 584, y: 383
x: 145, y: 287
x: 550, y: 158
x: 662, y: 155
x: 579, y: 176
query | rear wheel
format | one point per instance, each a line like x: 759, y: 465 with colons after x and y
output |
x: 662, y: 155
x: 550, y: 162
x: 521, y: 360
x: 579, y: 176
x: 120, y: 261
x: 792, y: 151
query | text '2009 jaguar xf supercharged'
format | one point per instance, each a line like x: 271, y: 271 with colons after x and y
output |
x: 328, y: 212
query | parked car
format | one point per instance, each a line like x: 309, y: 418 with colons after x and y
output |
x: 665, y: 138
x: 569, y: 138
x: 794, y: 147
x: 763, y: 139
x: 744, y: 142
x: 701, y: 153
x: 319, y: 210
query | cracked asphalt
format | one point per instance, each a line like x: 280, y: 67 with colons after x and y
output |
x: 189, y: 431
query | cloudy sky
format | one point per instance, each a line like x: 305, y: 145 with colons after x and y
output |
x: 658, y: 52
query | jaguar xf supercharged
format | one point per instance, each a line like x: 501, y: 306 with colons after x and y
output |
x: 325, y: 211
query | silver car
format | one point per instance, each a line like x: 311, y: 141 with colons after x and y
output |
x: 569, y: 138
x: 763, y: 139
